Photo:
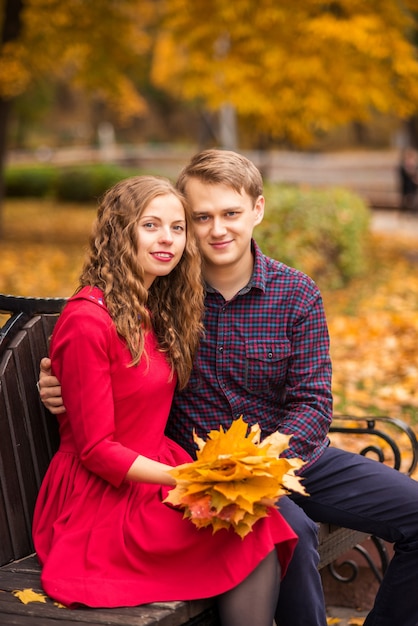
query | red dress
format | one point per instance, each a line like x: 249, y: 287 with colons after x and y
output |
x: 103, y: 541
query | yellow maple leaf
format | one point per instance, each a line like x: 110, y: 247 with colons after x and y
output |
x: 235, y: 478
x: 29, y: 595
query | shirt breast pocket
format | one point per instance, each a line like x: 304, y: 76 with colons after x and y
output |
x: 266, y: 365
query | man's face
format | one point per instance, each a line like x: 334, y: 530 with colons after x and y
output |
x: 224, y: 221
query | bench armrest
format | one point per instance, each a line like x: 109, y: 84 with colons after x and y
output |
x: 387, y: 439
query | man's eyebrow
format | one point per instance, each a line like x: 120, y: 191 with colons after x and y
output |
x: 224, y: 209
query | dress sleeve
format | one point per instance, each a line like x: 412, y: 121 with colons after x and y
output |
x: 81, y: 350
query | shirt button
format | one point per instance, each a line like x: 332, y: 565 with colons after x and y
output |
x: 270, y: 355
x: 220, y: 349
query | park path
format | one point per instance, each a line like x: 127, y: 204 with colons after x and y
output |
x: 373, y: 174
x: 393, y: 221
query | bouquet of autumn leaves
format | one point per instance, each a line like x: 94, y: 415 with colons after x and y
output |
x: 235, y: 478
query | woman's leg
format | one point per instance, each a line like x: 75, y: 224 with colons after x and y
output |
x: 254, y: 600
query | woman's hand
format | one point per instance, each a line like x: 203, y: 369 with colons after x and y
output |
x: 49, y: 388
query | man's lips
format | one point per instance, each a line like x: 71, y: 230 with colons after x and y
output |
x: 219, y: 245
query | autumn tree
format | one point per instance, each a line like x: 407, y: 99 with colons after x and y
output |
x: 96, y: 46
x: 291, y: 69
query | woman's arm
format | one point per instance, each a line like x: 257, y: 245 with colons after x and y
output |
x: 150, y: 471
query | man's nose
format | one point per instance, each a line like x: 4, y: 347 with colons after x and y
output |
x: 218, y: 227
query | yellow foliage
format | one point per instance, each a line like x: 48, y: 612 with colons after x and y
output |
x: 235, y: 478
x: 292, y: 68
x: 97, y: 46
x: 29, y: 595
x: 289, y: 68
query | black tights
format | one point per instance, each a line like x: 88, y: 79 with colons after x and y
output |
x: 253, y: 601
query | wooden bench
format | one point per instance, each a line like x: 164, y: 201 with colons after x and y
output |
x: 28, y: 439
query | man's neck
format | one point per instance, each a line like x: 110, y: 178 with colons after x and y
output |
x: 228, y: 280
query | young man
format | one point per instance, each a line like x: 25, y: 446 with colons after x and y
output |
x: 265, y: 355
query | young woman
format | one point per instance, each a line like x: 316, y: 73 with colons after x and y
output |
x: 123, y: 343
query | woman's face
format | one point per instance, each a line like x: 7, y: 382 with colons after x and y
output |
x: 161, y: 237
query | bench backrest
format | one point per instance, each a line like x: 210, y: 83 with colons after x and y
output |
x: 28, y: 432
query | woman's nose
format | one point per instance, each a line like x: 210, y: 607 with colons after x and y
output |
x: 166, y: 235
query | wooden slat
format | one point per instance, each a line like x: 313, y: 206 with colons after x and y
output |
x: 7, y: 550
x: 22, y: 448
x: 15, y: 508
x: 6, y: 547
x: 30, y: 345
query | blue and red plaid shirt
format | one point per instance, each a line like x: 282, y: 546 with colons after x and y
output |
x: 265, y: 356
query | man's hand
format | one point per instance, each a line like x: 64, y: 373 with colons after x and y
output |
x: 50, y: 388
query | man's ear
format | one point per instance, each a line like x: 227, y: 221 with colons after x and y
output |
x: 259, y: 210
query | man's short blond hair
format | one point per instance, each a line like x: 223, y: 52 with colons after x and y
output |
x: 223, y: 167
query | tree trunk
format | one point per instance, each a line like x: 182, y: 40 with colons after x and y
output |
x: 12, y: 26
x: 228, y: 134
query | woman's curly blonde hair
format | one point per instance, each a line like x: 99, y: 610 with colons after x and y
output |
x: 173, y: 306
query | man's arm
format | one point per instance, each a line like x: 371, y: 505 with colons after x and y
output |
x: 50, y: 388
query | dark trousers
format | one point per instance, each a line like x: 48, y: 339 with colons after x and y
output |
x: 355, y: 492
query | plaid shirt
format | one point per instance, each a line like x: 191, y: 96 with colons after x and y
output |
x: 265, y: 356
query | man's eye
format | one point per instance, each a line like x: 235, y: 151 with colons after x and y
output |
x: 201, y: 218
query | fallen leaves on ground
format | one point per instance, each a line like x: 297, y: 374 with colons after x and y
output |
x: 43, y: 247
x: 373, y: 326
x: 29, y: 595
